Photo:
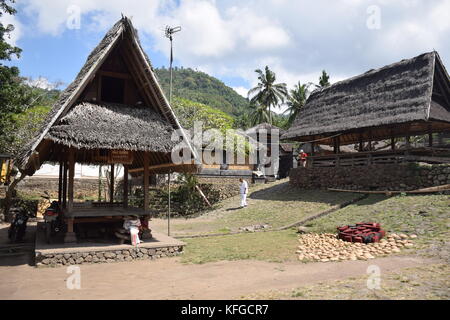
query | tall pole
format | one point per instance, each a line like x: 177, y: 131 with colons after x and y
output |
x: 169, y: 34
x: 168, y: 212
x: 171, y: 70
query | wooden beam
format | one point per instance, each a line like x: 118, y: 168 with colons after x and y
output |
x: 113, y: 74
x: 146, y: 182
x: 71, y: 179
x: 125, y: 186
x: 203, y: 196
x: 159, y: 166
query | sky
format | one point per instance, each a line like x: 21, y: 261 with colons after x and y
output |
x: 229, y: 39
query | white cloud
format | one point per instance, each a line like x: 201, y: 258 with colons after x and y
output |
x: 297, y: 39
x: 242, y: 91
x: 16, y: 34
x: 42, y: 83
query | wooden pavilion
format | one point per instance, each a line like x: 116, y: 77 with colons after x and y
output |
x: 114, y: 112
x: 397, y: 102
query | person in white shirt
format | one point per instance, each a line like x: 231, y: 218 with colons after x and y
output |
x: 243, y: 190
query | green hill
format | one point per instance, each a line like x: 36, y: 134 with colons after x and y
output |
x: 200, y: 87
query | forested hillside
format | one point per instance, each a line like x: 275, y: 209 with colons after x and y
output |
x: 200, y: 87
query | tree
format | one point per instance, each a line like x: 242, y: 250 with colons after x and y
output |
x: 258, y: 114
x: 297, y: 100
x: 19, y: 118
x: 8, y: 75
x: 324, y: 80
x: 267, y: 94
x: 188, y: 112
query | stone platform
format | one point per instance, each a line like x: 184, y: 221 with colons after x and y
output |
x: 62, y: 254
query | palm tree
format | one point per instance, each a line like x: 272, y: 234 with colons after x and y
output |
x: 258, y: 114
x: 267, y: 93
x: 324, y: 80
x: 297, y: 100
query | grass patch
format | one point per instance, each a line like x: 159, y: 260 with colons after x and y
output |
x: 426, y: 216
x: 276, y: 204
x: 267, y: 246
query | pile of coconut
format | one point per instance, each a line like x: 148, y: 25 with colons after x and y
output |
x: 327, y: 247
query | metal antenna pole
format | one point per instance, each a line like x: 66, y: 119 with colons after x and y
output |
x: 171, y: 70
x: 169, y: 34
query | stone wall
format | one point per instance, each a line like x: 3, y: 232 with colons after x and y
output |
x: 63, y: 259
x: 407, y: 176
x: 227, y: 187
x: 35, y: 186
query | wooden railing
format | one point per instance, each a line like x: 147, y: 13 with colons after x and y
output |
x: 428, y: 155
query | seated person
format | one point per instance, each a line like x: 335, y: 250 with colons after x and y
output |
x: 134, y: 224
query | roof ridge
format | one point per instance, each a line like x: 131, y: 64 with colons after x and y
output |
x: 371, y: 71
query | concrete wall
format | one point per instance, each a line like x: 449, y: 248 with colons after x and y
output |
x: 408, y: 176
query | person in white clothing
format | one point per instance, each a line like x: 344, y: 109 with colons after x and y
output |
x: 243, y: 190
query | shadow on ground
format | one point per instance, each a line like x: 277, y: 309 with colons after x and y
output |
x: 16, y: 254
x: 285, y: 192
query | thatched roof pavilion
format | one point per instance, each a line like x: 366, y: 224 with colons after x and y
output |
x: 114, y: 112
x: 411, y: 96
x: 407, y: 98
x: 82, y: 118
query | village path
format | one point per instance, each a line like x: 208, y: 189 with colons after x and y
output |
x: 170, y: 279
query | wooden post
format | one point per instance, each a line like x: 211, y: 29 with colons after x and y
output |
x: 71, y: 179
x: 125, y: 186
x: 338, y: 144
x: 430, y: 139
x: 146, y: 181
x: 111, y: 185
x: 64, y: 194
x: 60, y: 181
x: 70, y: 225
x: 335, y: 145
x: 70, y: 236
x: 408, y: 142
x: 393, y: 144
x: 169, y: 207
x: 361, y: 146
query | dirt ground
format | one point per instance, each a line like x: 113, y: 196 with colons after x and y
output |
x: 170, y: 279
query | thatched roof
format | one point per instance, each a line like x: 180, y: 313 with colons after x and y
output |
x: 287, y: 147
x: 396, y: 94
x: 124, y: 34
x: 264, y: 126
x: 216, y: 139
x: 113, y: 126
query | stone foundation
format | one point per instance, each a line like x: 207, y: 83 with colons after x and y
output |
x: 394, y: 177
x: 90, y: 257
x: 226, y: 187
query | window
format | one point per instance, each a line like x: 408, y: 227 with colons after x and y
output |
x: 113, y: 90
